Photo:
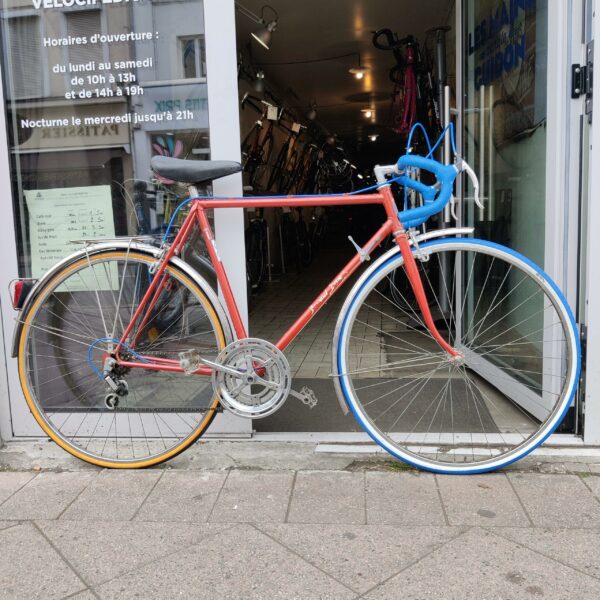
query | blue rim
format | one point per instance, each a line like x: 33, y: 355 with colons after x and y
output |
x: 474, y: 242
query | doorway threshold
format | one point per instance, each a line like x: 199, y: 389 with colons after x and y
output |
x: 557, y: 445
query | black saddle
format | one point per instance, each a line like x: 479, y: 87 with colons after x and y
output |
x: 193, y: 171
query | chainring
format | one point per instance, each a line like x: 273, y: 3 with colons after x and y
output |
x: 262, y: 383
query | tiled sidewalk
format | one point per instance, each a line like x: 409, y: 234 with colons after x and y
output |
x: 370, y: 531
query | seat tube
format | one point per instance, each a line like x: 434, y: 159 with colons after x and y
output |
x: 222, y: 279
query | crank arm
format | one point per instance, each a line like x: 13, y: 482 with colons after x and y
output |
x: 222, y: 368
x: 239, y: 374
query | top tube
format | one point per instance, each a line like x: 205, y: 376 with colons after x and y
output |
x: 412, y: 217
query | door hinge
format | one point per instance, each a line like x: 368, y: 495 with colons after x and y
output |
x: 582, y: 80
x: 583, y: 344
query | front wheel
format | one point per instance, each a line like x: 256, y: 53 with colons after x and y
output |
x: 69, y: 332
x: 510, y: 388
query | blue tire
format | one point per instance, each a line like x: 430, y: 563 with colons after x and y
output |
x: 512, y: 386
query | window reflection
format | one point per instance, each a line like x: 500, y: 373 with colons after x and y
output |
x: 92, y: 94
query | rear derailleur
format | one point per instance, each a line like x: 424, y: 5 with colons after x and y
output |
x: 118, y: 387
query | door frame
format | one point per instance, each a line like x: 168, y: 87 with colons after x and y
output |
x: 591, y: 300
x: 562, y: 156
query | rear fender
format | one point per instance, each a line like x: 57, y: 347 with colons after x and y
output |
x: 126, y: 244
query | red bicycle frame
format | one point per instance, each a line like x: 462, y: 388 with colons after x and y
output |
x: 197, y: 216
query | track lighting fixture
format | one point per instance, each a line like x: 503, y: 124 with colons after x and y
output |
x: 263, y: 35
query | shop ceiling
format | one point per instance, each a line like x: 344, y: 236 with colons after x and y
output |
x: 319, y: 29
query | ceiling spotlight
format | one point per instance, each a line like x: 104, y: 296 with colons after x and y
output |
x: 264, y: 34
x: 373, y: 137
x: 259, y: 82
x: 358, y: 71
x: 368, y: 112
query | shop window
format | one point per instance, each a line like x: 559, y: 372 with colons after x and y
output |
x: 193, y: 57
x: 84, y: 23
x: 24, y: 53
x: 92, y: 93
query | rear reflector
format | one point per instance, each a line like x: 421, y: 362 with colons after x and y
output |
x: 19, y: 290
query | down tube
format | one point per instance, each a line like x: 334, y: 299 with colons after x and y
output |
x: 334, y: 286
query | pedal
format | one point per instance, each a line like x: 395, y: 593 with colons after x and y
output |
x: 306, y: 396
x: 190, y: 361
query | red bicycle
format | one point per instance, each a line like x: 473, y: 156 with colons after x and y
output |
x: 413, y: 96
x: 472, y: 377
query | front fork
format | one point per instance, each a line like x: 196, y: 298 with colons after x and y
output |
x: 412, y: 271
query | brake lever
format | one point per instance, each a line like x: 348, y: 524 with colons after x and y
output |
x: 464, y: 166
x: 453, y: 204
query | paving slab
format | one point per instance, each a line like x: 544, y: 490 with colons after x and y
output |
x: 35, y: 455
x: 487, y: 500
x: 552, y: 467
x: 31, y: 568
x: 183, y: 496
x: 101, y: 551
x: 403, y: 499
x: 481, y: 565
x: 577, y: 467
x: 113, y: 496
x: 12, y: 482
x: 85, y: 595
x: 556, y: 501
x: 577, y: 548
x: 254, y: 496
x: 46, y: 496
x: 7, y: 524
x: 328, y: 497
x: 223, y: 567
x: 360, y: 556
x: 593, y: 483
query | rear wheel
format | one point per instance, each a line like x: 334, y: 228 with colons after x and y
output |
x: 511, y: 387
x: 71, y: 329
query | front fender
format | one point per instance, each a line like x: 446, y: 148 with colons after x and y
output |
x: 204, y: 282
x: 425, y: 237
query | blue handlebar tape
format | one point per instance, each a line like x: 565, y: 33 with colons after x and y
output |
x: 446, y: 174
